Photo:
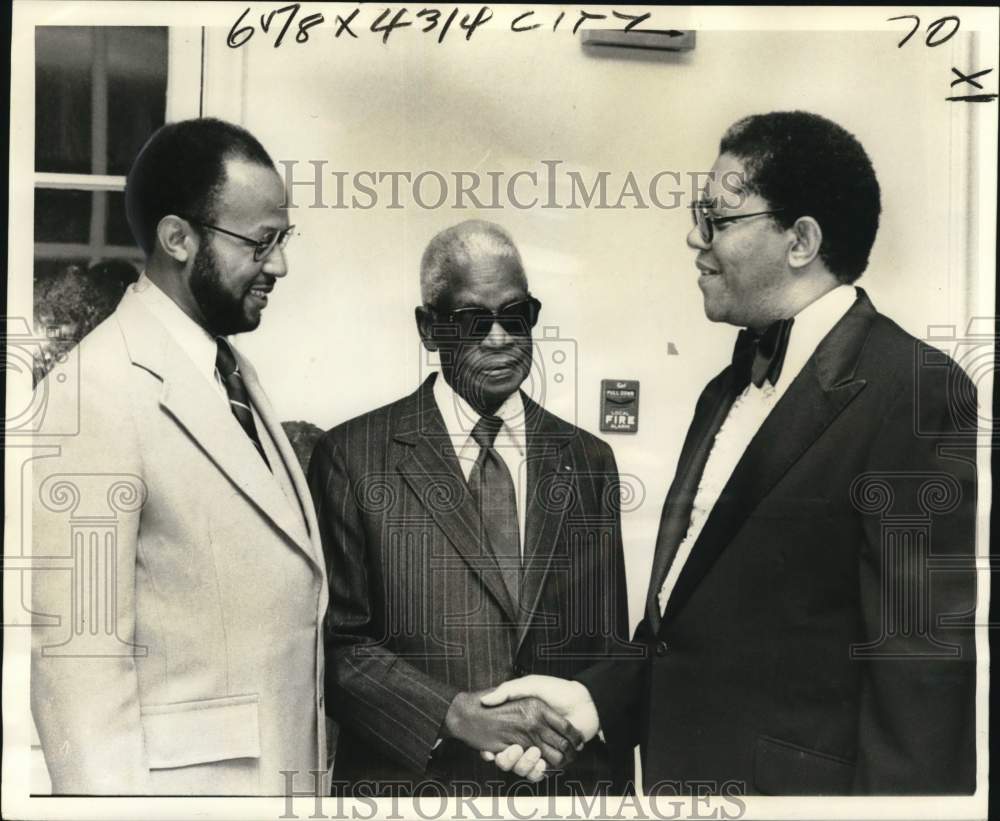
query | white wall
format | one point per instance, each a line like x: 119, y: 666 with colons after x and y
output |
x: 338, y: 337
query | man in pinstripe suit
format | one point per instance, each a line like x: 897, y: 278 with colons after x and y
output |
x: 470, y: 537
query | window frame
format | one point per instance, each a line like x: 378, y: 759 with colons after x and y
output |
x: 184, y: 98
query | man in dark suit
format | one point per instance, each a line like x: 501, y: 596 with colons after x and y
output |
x: 471, y: 537
x: 807, y: 621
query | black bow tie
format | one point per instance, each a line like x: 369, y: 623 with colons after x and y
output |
x: 759, y: 356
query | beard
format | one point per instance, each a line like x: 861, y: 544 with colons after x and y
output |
x: 224, y: 312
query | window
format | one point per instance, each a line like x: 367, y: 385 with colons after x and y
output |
x: 99, y: 93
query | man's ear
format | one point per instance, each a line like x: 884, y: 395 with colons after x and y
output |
x: 808, y: 239
x: 176, y: 238
x: 424, y: 325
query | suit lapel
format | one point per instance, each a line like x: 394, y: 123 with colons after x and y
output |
x: 821, y: 391
x: 277, y: 433
x: 431, y: 469
x: 197, y: 407
x: 550, y: 491
x: 673, y: 522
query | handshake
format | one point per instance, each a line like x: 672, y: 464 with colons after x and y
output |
x: 526, y: 724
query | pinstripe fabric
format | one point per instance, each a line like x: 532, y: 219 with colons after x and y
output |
x: 419, y: 610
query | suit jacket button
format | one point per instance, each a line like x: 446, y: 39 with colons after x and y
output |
x: 661, y: 648
x: 519, y: 670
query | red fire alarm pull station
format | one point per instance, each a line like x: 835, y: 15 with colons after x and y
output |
x: 619, y: 405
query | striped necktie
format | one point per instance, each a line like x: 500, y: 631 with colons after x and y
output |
x: 239, y: 402
x: 493, y: 489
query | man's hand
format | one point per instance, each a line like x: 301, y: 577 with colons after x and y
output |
x: 525, y: 722
x: 570, y: 698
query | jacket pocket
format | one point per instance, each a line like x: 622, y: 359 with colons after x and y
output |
x: 202, y: 731
x: 783, y: 768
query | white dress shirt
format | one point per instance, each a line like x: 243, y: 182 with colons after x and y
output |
x: 748, y: 413
x: 511, y: 442
x: 194, y: 340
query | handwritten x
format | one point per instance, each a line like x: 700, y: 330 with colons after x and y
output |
x: 968, y: 78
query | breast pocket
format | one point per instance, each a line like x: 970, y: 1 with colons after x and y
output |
x: 784, y: 768
x: 204, y: 746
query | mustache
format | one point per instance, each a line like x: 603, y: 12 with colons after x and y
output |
x: 267, y: 285
x: 476, y: 373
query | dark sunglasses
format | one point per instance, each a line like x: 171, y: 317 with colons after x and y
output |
x: 706, y: 223
x: 474, y: 323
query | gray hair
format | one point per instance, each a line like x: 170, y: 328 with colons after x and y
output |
x: 453, y: 249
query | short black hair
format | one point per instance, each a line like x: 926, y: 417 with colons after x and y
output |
x: 808, y: 165
x: 181, y: 169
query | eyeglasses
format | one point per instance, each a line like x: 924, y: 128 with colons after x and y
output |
x: 262, y: 248
x: 475, y: 322
x: 706, y: 223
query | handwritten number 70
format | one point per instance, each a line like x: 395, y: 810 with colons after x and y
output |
x: 932, y: 29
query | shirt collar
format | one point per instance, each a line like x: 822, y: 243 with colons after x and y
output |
x: 812, y: 324
x: 460, y: 417
x: 195, y: 341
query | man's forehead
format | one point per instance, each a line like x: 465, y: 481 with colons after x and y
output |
x: 727, y: 174
x: 725, y: 187
x: 486, y: 278
x: 252, y: 192
x: 491, y: 268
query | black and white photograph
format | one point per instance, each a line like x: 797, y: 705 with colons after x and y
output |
x: 499, y: 411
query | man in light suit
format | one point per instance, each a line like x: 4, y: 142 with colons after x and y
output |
x: 471, y: 536
x: 807, y: 626
x: 181, y: 654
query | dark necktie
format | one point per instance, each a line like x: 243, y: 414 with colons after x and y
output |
x: 493, y: 490
x: 756, y: 358
x: 239, y: 402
